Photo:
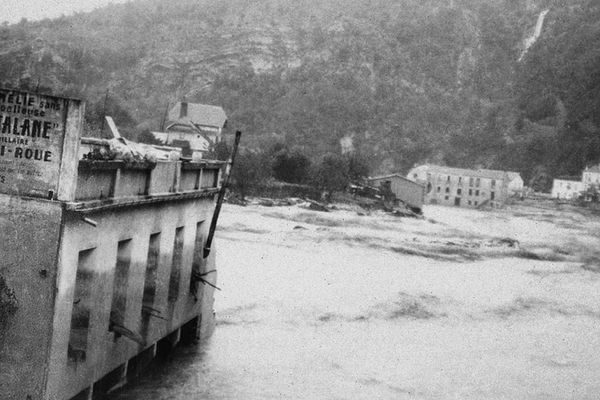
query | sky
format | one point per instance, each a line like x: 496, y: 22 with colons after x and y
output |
x: 13, y: 10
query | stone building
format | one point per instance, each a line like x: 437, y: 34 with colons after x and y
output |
x: 466, y: 187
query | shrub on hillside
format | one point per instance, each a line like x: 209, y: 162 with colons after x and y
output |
x: 331, y: 174
x: 290, y: 166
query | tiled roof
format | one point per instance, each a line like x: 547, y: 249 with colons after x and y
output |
x: 198, y: 114
x: 479, y: 173
x: 513, y: 175
x: 595, y: 168
x: 395, y: 175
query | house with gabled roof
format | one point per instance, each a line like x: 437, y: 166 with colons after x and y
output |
x: 194, y: 127
x: 466, y: 187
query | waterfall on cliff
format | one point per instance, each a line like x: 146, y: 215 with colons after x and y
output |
x: 536, y: 33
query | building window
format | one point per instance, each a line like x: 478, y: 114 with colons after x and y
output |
x: 477, y: 182
x: 460, y: 180
x: 493, y: 183
x: 446, y: 197
x: 448, y: 178
x: 198, y: 261
x: 150, y: 281
x: 459, y: 191
x: 469, y: 202
x: 492, y: 195
x: 82, y: 306
x: 475, y: 202
x: 470, y: 181
x: 120, y: 285
x: 470, y: 192
x: 477, y: 193
x: 176, y: 264
x: 447, y: 190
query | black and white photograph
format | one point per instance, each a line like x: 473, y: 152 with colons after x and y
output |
x: 299, y: 199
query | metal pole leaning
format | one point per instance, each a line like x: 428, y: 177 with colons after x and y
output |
x: 221, y: 196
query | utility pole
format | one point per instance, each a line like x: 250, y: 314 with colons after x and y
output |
x: 104, y: 112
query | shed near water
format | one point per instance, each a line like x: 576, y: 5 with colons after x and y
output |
x: 409, y: 192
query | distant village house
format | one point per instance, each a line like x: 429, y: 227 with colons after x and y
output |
x: 194, y: 127
x: 567, y: 189
x: 571, y: 188
x: 466, y: 187
x: 591, y: 177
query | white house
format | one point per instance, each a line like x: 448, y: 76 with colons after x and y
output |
x: 193, y: 127
x: 567, y: 189
x: 515, y: 182
x: 591, y: 177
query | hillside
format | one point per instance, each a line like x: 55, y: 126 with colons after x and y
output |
x: 399, y: 81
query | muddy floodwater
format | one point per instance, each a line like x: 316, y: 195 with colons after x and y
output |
x: 462, y: 304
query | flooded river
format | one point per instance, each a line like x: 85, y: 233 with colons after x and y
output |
x: 461, y: 305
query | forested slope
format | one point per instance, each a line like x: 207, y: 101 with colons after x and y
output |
x: 399, y: 81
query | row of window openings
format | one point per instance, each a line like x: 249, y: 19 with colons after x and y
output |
x: 83, y: 303
x: 472, y: 181
x: 459, y: 192
x: 457, y: 201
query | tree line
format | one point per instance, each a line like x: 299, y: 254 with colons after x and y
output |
x: 255, y: 170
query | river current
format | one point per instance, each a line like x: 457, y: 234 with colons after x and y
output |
x: 340, y: 306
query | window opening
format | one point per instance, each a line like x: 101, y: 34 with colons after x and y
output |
x: 197, y: 262
x: 82, y: 304
x: 150, y: 281
x: 176, y: 265
x: 120, y: 283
